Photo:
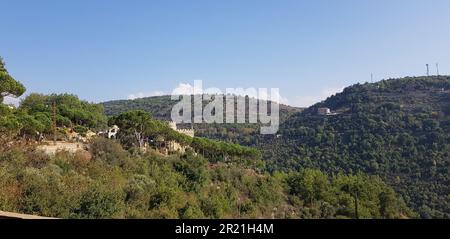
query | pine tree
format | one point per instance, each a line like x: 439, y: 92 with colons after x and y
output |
x: 8, y: 85
x: 2, y: 65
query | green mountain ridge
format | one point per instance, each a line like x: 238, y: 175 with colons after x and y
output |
x: 160, y: 107
x: 397, y: 129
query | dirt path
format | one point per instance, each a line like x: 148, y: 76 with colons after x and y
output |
x: 13, y: 215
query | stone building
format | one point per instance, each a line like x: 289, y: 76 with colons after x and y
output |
x: 188, y: 132
x: 173, y: 146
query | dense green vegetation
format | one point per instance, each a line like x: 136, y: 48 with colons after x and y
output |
x: 8, y: 85
x: 138, y: 127
x: 36, y: 114
x: 161, y: 106
x: 110, y: 182
x: 70, y: 110
x: 397, y: 129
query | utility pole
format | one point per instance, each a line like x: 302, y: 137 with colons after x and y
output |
x: 54, y: 122
x: 428, y: 70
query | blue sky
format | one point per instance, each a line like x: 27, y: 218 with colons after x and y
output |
x: 104, y: 50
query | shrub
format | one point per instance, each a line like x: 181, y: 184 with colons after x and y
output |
x: 80, y: 130
x: 108, y: 151
x: 97, y: 202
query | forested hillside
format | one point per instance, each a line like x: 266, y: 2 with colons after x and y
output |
x: 161, y: 106
x: 398, y: 129
x: 112, y: 182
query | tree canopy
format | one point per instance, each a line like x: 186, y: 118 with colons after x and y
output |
x: 70, y: 110
x: 136, y: 126
x: 112, y: 182
x: 397, y: 129
x: 8, y: 85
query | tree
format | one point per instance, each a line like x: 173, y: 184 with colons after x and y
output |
x: 30, y: 126
x: 2, y: 65
x: 310, y: 184
x: 9, y: 127
x: 354, y: 185
x: 134, y: 124
x: 8, y: 85
x: 388, y: 204
x: 70, y: 110
x: 97, y: 202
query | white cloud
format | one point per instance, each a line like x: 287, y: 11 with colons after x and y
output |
x: 306, y: 101
x: 145, y: 94
x: 186, y: 89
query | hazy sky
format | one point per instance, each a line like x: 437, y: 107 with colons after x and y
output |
x: 104, y: 50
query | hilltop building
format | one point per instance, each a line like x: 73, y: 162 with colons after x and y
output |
x: 188, y: 132
x: 173, y: 146
x: 325, y: 111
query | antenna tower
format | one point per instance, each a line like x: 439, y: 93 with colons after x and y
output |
x: 54, y: 122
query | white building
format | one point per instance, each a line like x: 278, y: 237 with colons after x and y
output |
x: 325, y: 111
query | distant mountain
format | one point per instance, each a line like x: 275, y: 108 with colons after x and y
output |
x: 161, y: 106
x: 398, y: 129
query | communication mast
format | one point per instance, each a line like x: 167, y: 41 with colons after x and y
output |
x: 437, y: 69
x: 54, y: 123
x: 428, y: 69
